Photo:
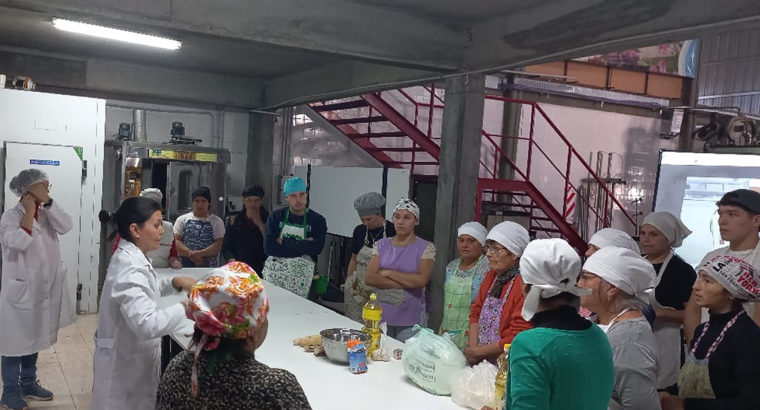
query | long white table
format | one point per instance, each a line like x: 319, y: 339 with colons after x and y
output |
x: 327, y: 385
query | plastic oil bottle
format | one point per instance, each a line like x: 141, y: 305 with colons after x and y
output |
x: 372, y: 313
x: 500, y: 385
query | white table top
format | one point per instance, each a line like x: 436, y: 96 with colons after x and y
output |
x: 327, y: 385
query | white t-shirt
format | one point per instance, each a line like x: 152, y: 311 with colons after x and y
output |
x: 216, y: 222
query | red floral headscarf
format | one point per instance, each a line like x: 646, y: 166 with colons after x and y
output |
x: 231, y: 303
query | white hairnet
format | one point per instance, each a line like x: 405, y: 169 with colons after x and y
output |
x: 623, y: 268
x: 550, y: 266
x: 511, y: 236
x: 606, y: 237
x: 669, y: 225
x: 152, y: 193
x: 26, y: 178
x: 474, y: 229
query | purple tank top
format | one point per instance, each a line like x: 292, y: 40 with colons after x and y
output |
x: 403, y: 259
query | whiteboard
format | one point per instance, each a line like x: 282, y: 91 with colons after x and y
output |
x: 333, y: 190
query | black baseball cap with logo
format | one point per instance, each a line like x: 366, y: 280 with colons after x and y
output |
x: 746, y: 199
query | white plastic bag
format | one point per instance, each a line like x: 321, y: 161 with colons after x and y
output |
x: 432, y: 361
x: 473, y: 387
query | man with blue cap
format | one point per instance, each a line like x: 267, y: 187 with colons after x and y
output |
x: 295, y: 236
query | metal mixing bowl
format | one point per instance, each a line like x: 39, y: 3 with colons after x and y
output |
x: 335, y: 342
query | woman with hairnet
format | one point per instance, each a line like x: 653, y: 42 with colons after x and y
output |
x: 660, y: 233
x: 620, y: 279
x: 32, y: 285
x: 565, y: 361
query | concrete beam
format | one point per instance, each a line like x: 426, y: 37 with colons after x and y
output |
x: 339, y: 80
x: 458, y: 171
x: 116, y: 80
x: 349, y: 29
x: 567, y: 29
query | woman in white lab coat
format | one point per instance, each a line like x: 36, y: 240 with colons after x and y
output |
x: 32, y: 284
x: 130, y: 323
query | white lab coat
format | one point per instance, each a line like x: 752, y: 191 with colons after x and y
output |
x: 130, y: 326
x: 33, y: 280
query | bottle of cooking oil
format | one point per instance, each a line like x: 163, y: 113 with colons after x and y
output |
x: 372, y: 313
x: 500, y: 385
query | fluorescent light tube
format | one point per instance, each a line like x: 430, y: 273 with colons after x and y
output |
x: 116, y: 34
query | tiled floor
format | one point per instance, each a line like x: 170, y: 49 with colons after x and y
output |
x: 66, y: 368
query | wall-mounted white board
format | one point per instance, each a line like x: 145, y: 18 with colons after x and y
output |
x: 333, y: 190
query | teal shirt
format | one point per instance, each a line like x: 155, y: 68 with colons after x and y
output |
x: 554, y: 369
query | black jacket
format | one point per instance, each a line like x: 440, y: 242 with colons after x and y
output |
x: 244, y: 242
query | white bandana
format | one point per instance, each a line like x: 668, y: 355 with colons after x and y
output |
x: 623, y: 268
x: 474, y: 229
x: 669, y: 225
x: 613, y: 237
x: 409, y: 205
x: 550, y: 266
x: 511, y: 236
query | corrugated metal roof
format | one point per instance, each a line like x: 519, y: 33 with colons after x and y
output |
x: 729, y: 71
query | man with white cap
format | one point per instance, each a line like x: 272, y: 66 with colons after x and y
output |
x: 722, y: 369
x: 620, y: 280
x: 33, y: 283
x: 463, y: 278
x: 495, y: 314
x: 611, y: 237
x: 374, y: 227
x: 565, y: 361
x: 660, y: 233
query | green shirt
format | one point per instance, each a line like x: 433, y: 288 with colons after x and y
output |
x: 554, y: 369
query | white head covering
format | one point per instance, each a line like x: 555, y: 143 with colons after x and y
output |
x: 26, y: 178
x: 625, y: 269
x: 738, y: 277
x: 474, y: 229
x: 409, y: 205
x: 550, y: 266
x: 152, y: 193
x: 511, y: 236
x: 669, y: 225
x: 613, y: 237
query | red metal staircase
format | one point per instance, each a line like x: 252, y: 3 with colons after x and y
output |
x: 399, y: 128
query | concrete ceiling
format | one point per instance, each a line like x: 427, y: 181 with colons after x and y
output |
x: 268, y: 53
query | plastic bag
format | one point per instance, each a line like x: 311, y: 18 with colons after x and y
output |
x: 473, y: 387
x: 432, y: 361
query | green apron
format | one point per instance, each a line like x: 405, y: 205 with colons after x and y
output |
x: 297, y: 275
x: 457, y: 299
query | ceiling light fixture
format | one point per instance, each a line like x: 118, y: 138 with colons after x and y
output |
x: 116, y: 34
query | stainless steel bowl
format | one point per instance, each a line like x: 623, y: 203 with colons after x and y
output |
x: 335, y: 342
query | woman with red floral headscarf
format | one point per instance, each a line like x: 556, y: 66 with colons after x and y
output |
x: 219, y: 370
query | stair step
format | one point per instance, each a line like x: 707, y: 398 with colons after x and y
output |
x: 542, y: 229
x: 360, y: 120
x: 417, y: 162
x: 400, y: 149
x: 381, y: 134
x: 340, y: 106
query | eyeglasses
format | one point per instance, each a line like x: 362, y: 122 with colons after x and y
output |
x: 495, y: 249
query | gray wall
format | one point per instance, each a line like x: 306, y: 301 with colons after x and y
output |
x: 729, y: 71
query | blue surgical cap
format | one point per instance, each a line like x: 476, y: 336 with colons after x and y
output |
x: 294, y: 184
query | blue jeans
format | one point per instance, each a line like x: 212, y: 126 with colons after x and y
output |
x: 18, y: 371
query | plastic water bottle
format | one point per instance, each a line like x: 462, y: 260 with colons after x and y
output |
x: 500, y: 385
x: 372, y: 314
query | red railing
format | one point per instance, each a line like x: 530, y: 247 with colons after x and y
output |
x: 437, y: 103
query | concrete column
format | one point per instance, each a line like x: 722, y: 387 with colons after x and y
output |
x: 259, y: 168
x: 457, y: 175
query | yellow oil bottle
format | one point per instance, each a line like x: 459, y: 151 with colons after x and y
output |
x: 372, y: 314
